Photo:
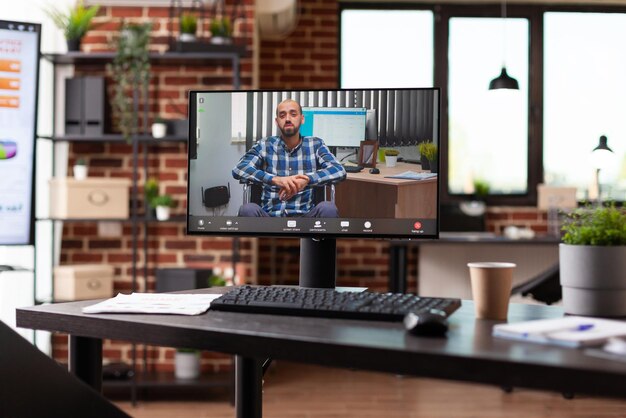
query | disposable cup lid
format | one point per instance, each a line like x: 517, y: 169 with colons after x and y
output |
x: 491, y: 265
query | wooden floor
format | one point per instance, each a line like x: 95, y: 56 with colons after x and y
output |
x: 301, y: 391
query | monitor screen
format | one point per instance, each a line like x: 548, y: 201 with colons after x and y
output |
x: 19, y: 64
x: 258, y: 164
x: 338, y: 126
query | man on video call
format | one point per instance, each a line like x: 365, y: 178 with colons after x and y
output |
x: 286, y: 166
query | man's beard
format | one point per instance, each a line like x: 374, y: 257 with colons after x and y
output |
x: 290, y: 130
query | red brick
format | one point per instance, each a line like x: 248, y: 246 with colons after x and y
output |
x: 119, y: 258
x: 126, y: 12
x: 87, y: 258
x: 217, y: 245
x: 524, y: 216
x: 180, y: 245
x: 178, y: 80
x: 176, y: 163
x: 159, y: 12
x: 105, y: 244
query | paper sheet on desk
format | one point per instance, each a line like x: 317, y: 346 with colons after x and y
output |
x: 412, y: 175
x: 155, y: 303
x: 571, y: 331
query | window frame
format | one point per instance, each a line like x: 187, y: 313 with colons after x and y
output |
x: 442, y: 14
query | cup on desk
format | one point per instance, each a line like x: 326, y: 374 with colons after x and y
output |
x: 491, y: 288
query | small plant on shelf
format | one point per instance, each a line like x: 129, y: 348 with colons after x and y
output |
x: 74, y: 23
x: 428, y: 150
x: 163, y: 203
x: 188, y: 27
x: 391, y: 157
x: 221, y: 30
x: 391, y: 153
x: 481, y: 189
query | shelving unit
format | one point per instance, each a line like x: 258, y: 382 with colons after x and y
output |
x: 214, y: 55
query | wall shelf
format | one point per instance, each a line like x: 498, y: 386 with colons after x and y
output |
x: 112, y: 138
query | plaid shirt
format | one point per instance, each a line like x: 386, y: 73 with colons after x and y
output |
x: 270, y: 157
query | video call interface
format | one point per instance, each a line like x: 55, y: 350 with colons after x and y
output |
x: 312, y: 163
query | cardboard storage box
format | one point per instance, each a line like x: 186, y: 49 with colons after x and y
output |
x: 103, y: 198
x: 84, y: 281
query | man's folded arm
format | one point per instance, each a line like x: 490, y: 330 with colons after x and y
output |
x: 331, y: 170
x: 248, y: 168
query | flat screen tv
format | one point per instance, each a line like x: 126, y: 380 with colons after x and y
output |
x: 259, y: 166
x: 19, y: 71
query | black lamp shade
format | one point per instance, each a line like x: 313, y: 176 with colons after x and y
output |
x: 603, y: 145
x: 504, y: 81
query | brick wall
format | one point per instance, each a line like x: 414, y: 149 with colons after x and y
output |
x: 168, y: 245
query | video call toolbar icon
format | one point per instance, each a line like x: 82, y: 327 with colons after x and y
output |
x: 367, y: 224
x: 345, y: 224
x: 291, y: 224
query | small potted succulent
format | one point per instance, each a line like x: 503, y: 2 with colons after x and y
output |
x: 80, y: 169
x: 221, y: 30
x: 74, y: 23
x: 163, y: 203
x: 592, y: 261
x: 188, y: 27
x: 428, y: 155
x: 391, y: 157
x: 158, y: 128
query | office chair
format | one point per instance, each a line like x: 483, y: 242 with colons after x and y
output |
x: 252, y: 192
x: 217, y: 196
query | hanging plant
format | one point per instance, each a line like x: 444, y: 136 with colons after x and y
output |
x: 130, y: 71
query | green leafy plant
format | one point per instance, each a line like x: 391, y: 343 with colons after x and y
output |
x: 481, y: 188
x: 392, y: 152
x: 215, y: 281
x: 188, y: 23
x: 76, y: 22
x: 222, y: 26
x: 80, y: 161
x: 428, y: 150
x: 163, y: 200
x: 187, y: 350
x: 151, y: 190
x: 604, y: 226
x: 131, y: 72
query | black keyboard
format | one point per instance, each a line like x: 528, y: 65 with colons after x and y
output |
x: 352, y: 169
x: 329, y: 303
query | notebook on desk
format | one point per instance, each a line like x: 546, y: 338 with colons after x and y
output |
x: 571, y: 331
x: 413, y: 175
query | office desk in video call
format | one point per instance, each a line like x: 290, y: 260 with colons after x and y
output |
x: 469, y: 353
x: 365, y: 195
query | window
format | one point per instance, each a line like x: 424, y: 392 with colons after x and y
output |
x: 584, y: 98
x: 386, y: 48
x: 487, y: 129
x: 570, y: 64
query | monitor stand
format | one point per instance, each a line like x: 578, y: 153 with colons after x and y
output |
x: 318, y: 262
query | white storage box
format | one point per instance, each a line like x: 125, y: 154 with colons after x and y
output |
x: 83, y: 281
x: 103, y: 198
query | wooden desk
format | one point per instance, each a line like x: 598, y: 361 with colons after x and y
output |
x: 469, y: 353
x: 365, y: 195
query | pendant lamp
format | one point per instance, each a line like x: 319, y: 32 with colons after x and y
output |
x: 504, y: 81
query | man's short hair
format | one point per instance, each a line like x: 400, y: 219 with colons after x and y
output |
x: 286, y: 101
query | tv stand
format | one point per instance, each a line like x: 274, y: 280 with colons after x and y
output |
x: 318, y: 262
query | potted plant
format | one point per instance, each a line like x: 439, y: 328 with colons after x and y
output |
x: 188, y: 27
x: 151, y: 191
x: 163, y: 203
x: 187, y: 363
x: 130, y: 71
x: 391, y: 157
x: 80, y: 169
x: 476, y: 206
x: 592, y: 261
x: 158, y: 128
x: 75, y: 23
x: 428, y: 152
x: 221, y: 30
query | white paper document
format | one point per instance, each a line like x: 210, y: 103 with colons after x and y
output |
x: 571, y: 331
x: 412, y: 175
x: 155, y: 303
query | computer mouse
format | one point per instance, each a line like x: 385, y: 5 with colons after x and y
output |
x: 374, y: 171
x: 426, y: 324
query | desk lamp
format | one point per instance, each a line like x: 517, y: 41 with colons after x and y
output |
x: 600, y: 157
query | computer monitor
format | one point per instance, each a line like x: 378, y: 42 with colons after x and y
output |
x: 19, y: 74
x: 252, y: 172
x: 338, y: 126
